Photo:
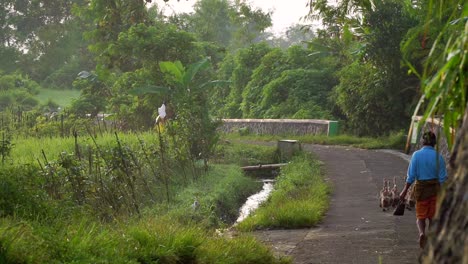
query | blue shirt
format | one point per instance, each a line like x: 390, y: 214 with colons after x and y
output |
x: 426, y: 164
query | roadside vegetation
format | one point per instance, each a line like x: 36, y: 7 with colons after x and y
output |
x: 393, y: 141
x: 84, y: 181
x: 101, y: 206
x: 300, y: 198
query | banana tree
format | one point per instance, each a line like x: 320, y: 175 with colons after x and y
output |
x: 191, y: 127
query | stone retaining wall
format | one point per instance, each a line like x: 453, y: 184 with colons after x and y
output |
x: 277, y: 126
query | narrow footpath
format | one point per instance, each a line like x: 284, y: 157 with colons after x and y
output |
x: 355, y: 229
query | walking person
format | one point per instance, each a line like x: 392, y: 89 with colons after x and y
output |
x: 427, y: 171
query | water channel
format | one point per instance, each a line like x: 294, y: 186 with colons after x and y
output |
x: 254, y: 201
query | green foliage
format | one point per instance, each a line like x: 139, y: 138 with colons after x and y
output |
x: 250, y: 22
x: 395, y: 140
x: 220, y: 193
x: 364, y: 101
x: 17, y: 81
x: 42, y: 221
x: 19, y: 193
x: 38, y: 36
x: 145, y: 46
x: 293, y: 91
x: 111, y: 19
x: 442, y: 69
x: 8, y: 58
x: 211, y: 22
x: 192, y: 129
x: 5, y: 146
x: 244, y: 63
x: 244, y: 249
x: 53, y: 98
x: 62, y: 78
x: 299, y: 200
x: 271, y: 66
x: 244, y: 154
x: 17, y: 91
x: 146, y: 240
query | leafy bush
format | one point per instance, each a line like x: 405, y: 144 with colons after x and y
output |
x: 17, y: 81
x: 20, y: 194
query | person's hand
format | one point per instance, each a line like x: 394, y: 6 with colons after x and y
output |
x: 403, y: 195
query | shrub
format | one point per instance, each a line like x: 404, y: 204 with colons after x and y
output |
x: 20, y: 193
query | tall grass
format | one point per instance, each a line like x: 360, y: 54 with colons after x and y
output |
x: 147, y: 240
x: 300, y: 198
x: 27, y: 150
x: 40, y: 226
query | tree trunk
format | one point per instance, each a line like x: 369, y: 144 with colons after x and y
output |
x: 449, y: 242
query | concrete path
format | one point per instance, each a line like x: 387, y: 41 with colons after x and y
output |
x: 355, y: 230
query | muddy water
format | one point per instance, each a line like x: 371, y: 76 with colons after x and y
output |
x: 254, y: 201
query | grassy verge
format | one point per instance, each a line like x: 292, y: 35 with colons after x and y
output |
x: 393, y: 141
x: 48, y: 232
x: 220, y: 193
x: 147, y: 240
x: 300, y: 198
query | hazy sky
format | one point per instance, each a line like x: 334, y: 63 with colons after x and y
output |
x: 285, y: 12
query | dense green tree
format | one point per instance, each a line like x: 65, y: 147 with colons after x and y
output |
x: 228, y: 24
x: 298, y: 93
x: 211, y: 21
x: 435, y: 51
x: 219, y: 95
x: 296, y: 34
x: 245, y: 62
x: 106, y: 20
x: 271, y: 67
x: 38, y: 36
x: 17, y: 92
x: 373, y: 39
x: 361, y: 96
x: 250, y: 23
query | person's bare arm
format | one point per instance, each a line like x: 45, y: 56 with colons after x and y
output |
x: 404, y: 191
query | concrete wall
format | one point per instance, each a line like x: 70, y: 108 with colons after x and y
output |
x: 276, y: 126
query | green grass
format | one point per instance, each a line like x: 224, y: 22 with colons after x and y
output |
x: 244, y: 154
x: 220, y: 192
x: 61, y: 97
x: 392, y: 141
x: 35, y: 228
x: 300, y: 198
x: 27, y: 150
x: 145, y: 240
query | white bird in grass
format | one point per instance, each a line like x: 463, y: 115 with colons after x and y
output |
x: 195, y: 204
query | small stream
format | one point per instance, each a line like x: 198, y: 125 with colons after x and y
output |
x: 254, y: 201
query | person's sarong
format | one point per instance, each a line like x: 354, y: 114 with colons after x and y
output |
x: 426, y: 208
x: 426, y: 189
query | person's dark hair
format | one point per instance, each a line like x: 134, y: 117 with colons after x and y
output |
x: 429, y: 139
